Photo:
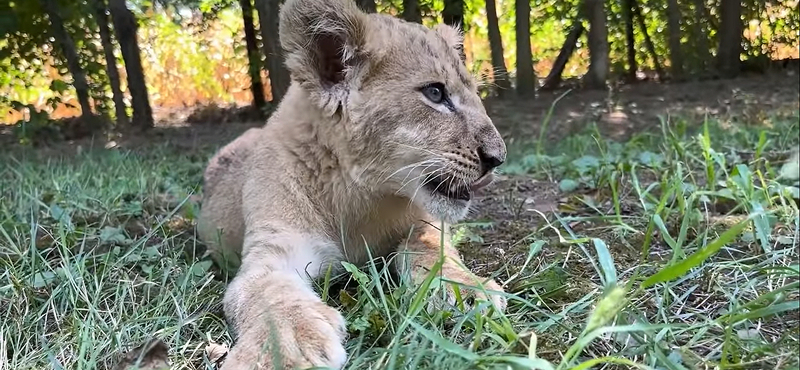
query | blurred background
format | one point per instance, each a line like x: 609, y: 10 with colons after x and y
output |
x: 140, y: 62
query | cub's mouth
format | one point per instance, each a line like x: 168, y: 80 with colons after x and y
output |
x: 456, y: 189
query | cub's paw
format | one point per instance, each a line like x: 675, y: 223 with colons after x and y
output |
x: 298, y: 335
x: 471, y: 294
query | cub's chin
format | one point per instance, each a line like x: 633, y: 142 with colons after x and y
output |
x: 449, y: 210
x: 449, y: 204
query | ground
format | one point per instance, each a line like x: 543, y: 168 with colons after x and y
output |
x: 643, y: 228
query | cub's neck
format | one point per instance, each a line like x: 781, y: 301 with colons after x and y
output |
x: 326, y: 174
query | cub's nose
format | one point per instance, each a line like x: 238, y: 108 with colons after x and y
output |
x: 490, y: 159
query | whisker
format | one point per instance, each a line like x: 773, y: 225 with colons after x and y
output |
x: 422, y: 172
x: 431, y: 177
x: 416, y: 177
x: 413, y: 165
x: 353, y: 181
x: 437, y: 186
x: 410, y: 200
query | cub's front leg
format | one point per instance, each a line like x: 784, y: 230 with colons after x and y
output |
x: 425, y: 247
x: 280, y: 322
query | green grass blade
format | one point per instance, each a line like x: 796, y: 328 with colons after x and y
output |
x: 671, y: 272
x: 443, y: 343
x: 766, y: 311
x: 526, y: 363
x: 606, y: 262
x: 608, y: 360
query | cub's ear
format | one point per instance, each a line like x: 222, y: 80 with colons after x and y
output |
x: 323, y: 41
x: 453, y: 36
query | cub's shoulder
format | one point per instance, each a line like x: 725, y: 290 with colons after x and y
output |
x: 231, y: 157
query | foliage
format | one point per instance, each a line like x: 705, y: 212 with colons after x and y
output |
x: 194, y: 51
x: 197, y: 55
x: 32, y: 72
x: 36, y: 126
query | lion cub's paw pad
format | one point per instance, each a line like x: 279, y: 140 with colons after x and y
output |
x: 473, y: 296
x: 310, y: 335
x: 319, y: 337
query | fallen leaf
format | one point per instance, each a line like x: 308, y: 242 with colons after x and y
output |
x: 152, y: 355
x: 216, y: 352
x: 748, y: 334
x: 135, y: 228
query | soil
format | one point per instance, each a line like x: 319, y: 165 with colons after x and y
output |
x: 640, y: 106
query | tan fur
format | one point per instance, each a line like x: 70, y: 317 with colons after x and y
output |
x: 345, y: 163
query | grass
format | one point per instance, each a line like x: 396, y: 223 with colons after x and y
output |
x: 670, y: 251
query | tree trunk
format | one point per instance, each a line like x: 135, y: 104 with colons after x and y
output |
x: 674, y: 32
x: 111, y: 63
x: 647, y: 41
x: 730, y: 37
x: 67, y: 47
x: 553, y: 79
x: 701, y: 34
x: 279, y: 78
x: 125, y: 29
x: 411, y: 11
x: 499, y: 72
x: 630, y: 40
x: 367, y: 6
x: 453, y: 13
x: 598, y: 44
x: 526, y: 76
x: 253, y: 56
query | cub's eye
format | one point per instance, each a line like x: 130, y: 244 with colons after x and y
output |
x: 434, y: 92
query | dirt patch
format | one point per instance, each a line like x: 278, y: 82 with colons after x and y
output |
x: 506, y: 219
x: 628, y: 109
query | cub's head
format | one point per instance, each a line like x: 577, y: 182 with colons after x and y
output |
x: 404, y: 112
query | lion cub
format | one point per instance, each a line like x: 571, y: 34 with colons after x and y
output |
x: 380, y: 138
